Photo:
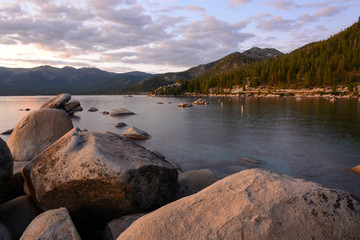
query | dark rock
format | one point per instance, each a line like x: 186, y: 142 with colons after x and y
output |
x: 7, y: 132
x: 17, y: 214
x: 36, y: 131
x: 71, y: 105
x: 117, y: 226
x: 248, y: 160
x: 4, y: 232
x: 27, y: 109
x: 120, y: 112
x: 93, y: 109
x: 6, y: 163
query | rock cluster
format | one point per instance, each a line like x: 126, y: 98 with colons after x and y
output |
x: 200, y: 102
x: 62, y: 101
x: 183, y: 105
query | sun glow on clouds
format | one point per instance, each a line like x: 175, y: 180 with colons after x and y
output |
x: 159, y: 36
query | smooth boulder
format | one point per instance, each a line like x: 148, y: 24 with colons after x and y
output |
x: 135, y: 134
x: 52, y: 224
x: 120, y: 112
x: 57, y: 102
x: 99, y: 177
x: 37, y: 131
x: 254, y: 204
x: 73, y: 104
x: 93, y: 109
x: 6, y: 163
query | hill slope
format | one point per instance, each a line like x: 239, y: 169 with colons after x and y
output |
x: 335, y: 61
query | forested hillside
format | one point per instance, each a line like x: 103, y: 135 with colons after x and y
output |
x: 332, y: 62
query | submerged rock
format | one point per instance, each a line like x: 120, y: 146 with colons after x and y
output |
x: 52, y: 224
x: 6, y: 163
x: 254, y: 204
x: 37, y: 131
x: 194, y: 181
x: 135, y: 134
x: 93, y: 109
x: 57, y: 102
x: 248, y: 160
x: 120, y: 112
x: 99, y: 177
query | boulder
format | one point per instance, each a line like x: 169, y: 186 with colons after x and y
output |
x: 114, y: 228
x: 17, y: 214
x: 6, y: 163
x: 99, y: 177
x: 135, y: 134
x: 5, y: 232
x: 53, y: 224
x: 194, y: 181
x: 57, y: 102
x: 356, y: 169
x: 200, y: 102
x: 105, y: 113
x: 254, y: 204
x: 120, y: 112
x: 77, y: 109
x: 183, y: 105
x: 71, y: 105
x: 120, y: 125
x: 37, y: 131
x: 15, y: 187
x: 93, y: 109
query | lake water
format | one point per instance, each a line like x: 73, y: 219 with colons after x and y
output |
x: 312, y: 139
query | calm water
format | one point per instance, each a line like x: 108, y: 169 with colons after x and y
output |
x: 312, y: 139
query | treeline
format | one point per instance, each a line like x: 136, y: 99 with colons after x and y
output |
x: 332, y: 62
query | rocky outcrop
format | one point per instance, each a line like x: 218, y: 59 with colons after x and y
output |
x: 120, y: 112
x: 99, y: 177
x: 356, y: 169
x: 184, y: 105
x: 254, y: 204
x: 135, y: 134
x: 17, y: 214
x: 200, y: 102
x: 72, y: 107
x: 57, y: 102
x: 194, y: 181
x: 37, y: 131
x: 117, y: 226
x: 53, y: 224
x: 6, y: 163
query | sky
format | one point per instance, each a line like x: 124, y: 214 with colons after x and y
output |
x: 157, y: 36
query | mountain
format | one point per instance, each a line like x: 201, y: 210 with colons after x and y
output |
x: 230, y: 62
x: 51, y: 80
x: 262, y: 53
x: 327, y: 63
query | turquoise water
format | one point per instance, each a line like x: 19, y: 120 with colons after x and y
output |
x: 312, y: 139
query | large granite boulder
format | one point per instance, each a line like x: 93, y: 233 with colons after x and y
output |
x: 6, y: 163
x: 99, y: 177
x: 52, y: 224
x: 254, y: 204
x: 17, y: 214
x: 57, y: 102
x: 37, y: 131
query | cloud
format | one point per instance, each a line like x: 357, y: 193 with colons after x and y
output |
x: 240, y: 2
x: 281, y: 4
x: 277, y: 23
x: 328, y: 11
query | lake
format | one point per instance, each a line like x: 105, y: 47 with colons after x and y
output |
x: 313, y: 139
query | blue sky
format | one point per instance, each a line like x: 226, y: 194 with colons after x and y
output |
x: 159, y: 35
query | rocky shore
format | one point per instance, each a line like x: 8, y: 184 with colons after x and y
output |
x: 76, y: 184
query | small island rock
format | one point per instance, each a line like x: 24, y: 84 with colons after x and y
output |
x: 93, y: 109
x: 135, y: 134
x: 254, y: 204
x: 184, y: 105
x: 36, y: 131
x: 52, y: 224
x: 200, y: 102
x: 120, y: 112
